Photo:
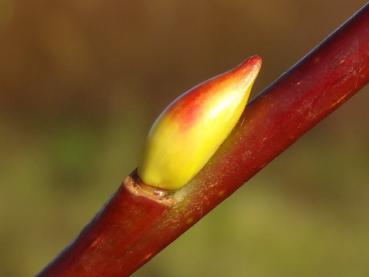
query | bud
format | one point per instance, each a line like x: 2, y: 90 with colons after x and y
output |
x: 189, y: 131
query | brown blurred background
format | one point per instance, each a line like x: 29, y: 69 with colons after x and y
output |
x: 80, y: 83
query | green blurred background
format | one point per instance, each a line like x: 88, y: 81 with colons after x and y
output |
x: 80, y: 83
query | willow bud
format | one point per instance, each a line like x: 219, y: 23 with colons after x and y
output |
x: 189, y: 131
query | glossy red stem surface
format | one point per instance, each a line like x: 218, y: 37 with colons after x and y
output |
x: 133, y: 228
x: 103, y: 245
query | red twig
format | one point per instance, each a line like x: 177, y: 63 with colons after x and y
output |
x: 138, y: 221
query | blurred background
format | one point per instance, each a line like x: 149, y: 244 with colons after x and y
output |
x: 82, y: 81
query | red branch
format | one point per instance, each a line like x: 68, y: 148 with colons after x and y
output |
x: 138, y: 221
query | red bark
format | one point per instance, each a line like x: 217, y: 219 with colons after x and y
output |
x: 102, y: 246
x: 134, y: 227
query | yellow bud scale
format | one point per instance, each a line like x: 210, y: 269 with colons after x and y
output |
x: 189, y: 131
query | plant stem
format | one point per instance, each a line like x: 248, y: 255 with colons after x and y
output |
x: 98, y: 250
x: 138, y: 221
